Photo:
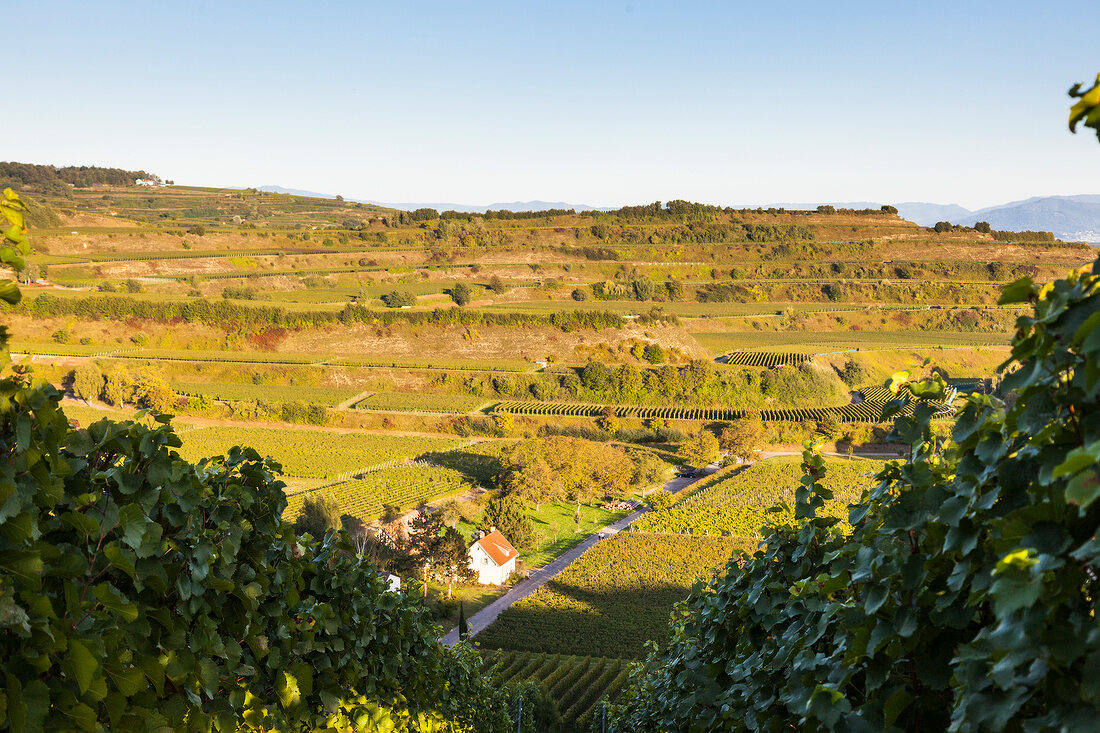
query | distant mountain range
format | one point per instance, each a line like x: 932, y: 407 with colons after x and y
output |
x: 1072, y: 218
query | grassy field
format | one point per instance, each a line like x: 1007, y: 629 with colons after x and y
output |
x: 556, y: 531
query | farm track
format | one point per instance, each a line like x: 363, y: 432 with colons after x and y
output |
x: 486, y: 616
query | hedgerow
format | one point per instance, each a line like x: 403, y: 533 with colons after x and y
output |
x: 235, y: 317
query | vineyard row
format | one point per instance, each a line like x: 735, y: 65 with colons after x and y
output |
x: 868, y: 411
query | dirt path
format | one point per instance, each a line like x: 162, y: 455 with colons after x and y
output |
x: 346, y: 404
x: 480, y: 620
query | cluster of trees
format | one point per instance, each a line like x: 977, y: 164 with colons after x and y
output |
x: 398, y: 299
x: 678, y: 209
x: 698, y: 383
x: 145, y: 387
x: 1027, y: 236
x: 505, y: 214
x: 24, y: 175
x: 558, y: 468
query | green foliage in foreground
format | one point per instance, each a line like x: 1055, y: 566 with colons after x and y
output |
x: 965, y: 596
x: 141, y: 592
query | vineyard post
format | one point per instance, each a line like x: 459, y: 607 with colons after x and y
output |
x: 519, y: 721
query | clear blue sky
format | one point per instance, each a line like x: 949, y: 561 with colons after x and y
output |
x: 594, y: 103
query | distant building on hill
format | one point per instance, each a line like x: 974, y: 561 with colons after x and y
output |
x: 146, y: 182
x: 493, y: 558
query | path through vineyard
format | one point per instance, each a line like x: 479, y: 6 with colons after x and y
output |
x: 538, y: 578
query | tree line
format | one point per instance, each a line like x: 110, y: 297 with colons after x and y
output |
x: 22, y: 175
x: 235, y: 317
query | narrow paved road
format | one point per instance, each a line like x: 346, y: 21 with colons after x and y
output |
x: 538, y: 578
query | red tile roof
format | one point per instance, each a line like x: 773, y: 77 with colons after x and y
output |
x: 496, y: 547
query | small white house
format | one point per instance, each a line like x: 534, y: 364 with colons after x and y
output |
x: 493, y: 558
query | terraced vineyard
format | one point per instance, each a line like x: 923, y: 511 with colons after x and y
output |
x: 767, y: 359
x: 614, y: 598
x: 233, y: 391
x: 402, y: 486
x: 258, y: 357
x: 867, y: 411
x: 312, y: 453
x: 481, y: 365
x: 420, y: 402
x: 814, y: 342
x: 578, y: 684
x: 735, y: 503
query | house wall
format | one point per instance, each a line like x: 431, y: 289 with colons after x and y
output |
x: 488, y: 572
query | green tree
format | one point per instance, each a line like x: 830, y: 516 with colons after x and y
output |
x: 526, y: 475
x: 855, y: 373
x: 649, y: 470
x: 607, y: 421
x: 496, y: 285
x: 87, y: 381
x: 659, y: 500
x: 320, y: 513
x: 699, y: 449
x: 653, y: 353
x: 398, y: 299
x: 644, y: 288
x: 505, y: 422
x: 461, y: 294
x: 581, y: 294
x: 452, y: 559
x: 507, y: 514
x: 596, y: 376
x: 743, y: 438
